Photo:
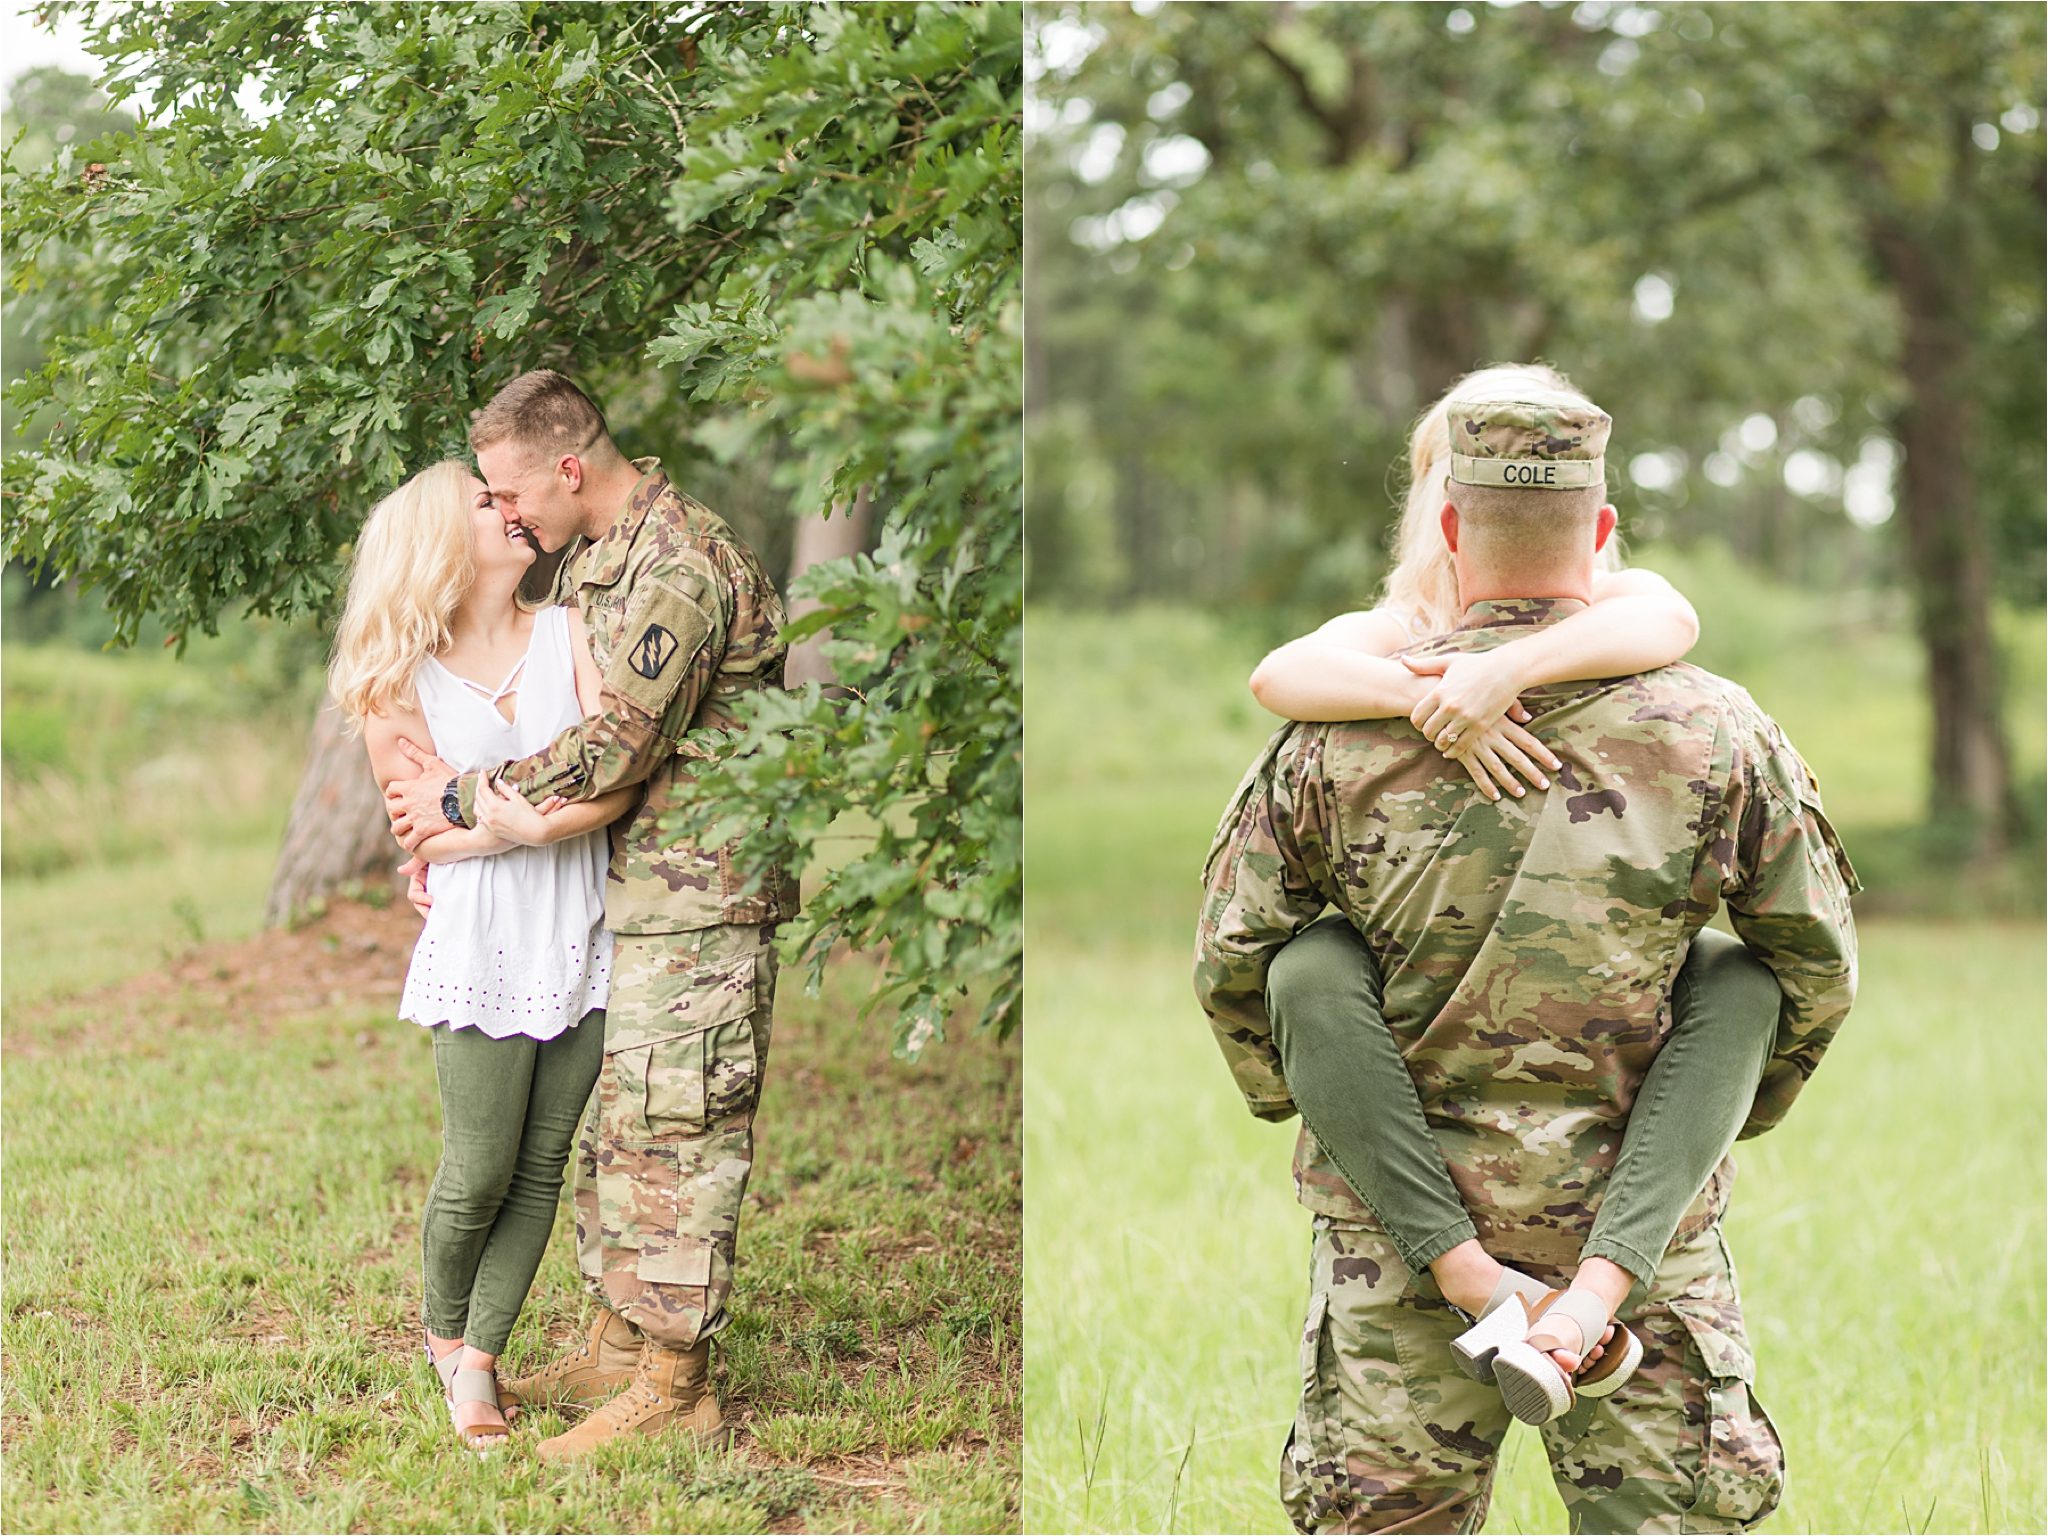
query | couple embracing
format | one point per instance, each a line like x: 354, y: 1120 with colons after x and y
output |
x: 1519, y: 1055
x: 574, y: 953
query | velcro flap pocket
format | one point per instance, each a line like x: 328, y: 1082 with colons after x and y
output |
x: 676, y: 1261
x: 1313, y: 1436
x: 664, y: 630
x: 1809, y: 800
x: 1312, y: 1340
x: 695, y: 999
x: 716, y: 994
x: 698, y: 1060
x: 1741, y: 1470
x: 639, y: 1192
x: 1716, y: 1330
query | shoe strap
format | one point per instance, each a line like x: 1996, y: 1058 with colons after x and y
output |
x: 445, y: 1363
x: 476, y: 1387
x: 1513, y: 1282
x: 1608, y: 1363
x: 1586, y: 1310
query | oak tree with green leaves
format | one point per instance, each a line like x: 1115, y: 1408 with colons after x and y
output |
x: 1307, y: 221
x: 761, y: 232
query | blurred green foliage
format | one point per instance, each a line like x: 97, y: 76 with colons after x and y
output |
x: 47, y: 109
x: 778, y: 241
x: 1796, y: 250
x: 1263, y: 238
x: 115, y: 760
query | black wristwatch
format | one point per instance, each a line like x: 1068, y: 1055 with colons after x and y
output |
x: 451, y: 803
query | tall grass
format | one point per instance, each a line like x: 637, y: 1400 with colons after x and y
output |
x: 1889, y: 1234
x: 211, y: 1288
x: 141, y: 795
x: 118, y: 759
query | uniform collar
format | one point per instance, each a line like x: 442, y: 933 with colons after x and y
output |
x: 604, y: 561
x: 1518, y: 612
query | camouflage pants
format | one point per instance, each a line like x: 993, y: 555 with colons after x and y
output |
x: 1392, y: 1436
x: 668, y: 1141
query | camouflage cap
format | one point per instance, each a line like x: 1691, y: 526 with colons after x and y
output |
x: 1534, y: 438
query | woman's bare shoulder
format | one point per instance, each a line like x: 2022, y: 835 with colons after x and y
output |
x: 1629, y: 581
x: 1375, y: 631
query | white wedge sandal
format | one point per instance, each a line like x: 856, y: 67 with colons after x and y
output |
x: 1503, y: 1320
x: 1536, y: 1389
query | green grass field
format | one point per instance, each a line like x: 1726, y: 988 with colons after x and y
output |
x: 142, y: 799
x: 210, y: 1266
x: 211, y: 1277
x: 1890, y: 1234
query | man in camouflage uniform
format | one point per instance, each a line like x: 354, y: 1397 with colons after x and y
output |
x: 1528, y: 949
x: 682, y: 622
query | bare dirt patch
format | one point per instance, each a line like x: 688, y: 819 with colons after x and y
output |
x: 352, y: 955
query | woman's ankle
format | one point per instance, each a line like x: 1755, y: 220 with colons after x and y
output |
x: 1606, y: 1280
x: 1560, y: 1333
x: 1467, y: 1275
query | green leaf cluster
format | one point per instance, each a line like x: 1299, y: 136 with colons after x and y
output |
x: 1265, y: 237
x: 338, y: 227
x: 882, y: 160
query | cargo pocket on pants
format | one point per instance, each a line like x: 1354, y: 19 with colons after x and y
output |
x: 1742, y: 1462
x: 1309, y: 1472
x: 695, y: 1082
x: 675, y: 1083
x: 639, y: 1185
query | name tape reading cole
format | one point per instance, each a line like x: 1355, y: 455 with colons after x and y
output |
x: 1539, y: 474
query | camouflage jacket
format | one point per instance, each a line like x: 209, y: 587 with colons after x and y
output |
x: 682, y: 621
x: 1528, y: 947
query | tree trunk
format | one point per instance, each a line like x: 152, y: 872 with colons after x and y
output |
x: 338, y: 831
x: 1946, y: 538
x: 819, y: 539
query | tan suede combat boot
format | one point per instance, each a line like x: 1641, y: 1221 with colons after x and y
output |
x: 589, y: 1373
x: 671, y: 1391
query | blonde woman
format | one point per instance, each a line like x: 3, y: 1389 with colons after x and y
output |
x: 1343, y: 1066
x: 1344, y: 670
x: 512, y: 968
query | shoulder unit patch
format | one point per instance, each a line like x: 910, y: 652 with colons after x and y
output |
x: 659, y: 635
x: 651, y: 652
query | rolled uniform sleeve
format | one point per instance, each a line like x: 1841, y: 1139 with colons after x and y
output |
x: 1787, y: 883
x: 670, y: 649
x: 1267, y: 878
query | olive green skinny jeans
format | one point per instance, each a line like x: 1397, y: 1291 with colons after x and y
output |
x: 1346, y: 1073
x: 509, y: 1110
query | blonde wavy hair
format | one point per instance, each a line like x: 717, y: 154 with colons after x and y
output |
x: 1422, y: 587
x: 415, y: 562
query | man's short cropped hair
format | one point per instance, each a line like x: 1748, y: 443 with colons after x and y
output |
x: 540, y: 410
x: 1507, y: 524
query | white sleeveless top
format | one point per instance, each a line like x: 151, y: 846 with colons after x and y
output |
x: 515, y: 944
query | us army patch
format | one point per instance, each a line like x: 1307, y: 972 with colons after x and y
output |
x: 662, y: 634
x: 652, y: 651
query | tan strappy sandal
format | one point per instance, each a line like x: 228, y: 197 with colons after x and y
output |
x: 1503, y: 1320
x: 1536, y: 1389
x: 478, y: 1387
x: 446, y: 1367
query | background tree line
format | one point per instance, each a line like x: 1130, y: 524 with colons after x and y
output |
x: 1796, y: 249
x: 777, y: 242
